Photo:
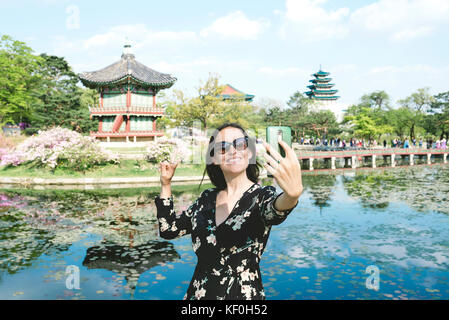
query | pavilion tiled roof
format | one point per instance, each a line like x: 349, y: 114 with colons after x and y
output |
x: 128, y: 66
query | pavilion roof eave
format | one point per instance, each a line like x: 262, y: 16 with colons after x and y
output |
x: 95, y: 84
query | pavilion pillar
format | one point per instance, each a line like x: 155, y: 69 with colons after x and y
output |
x: 128, y: 124
x: 429, y: 160
x: 100, y: 125
x: 353, y: 162
x: 373, y: 158
x: 333, y: 163
x: 154, y: 100
x: 393, y: 161
x: 411, y: 159
x: 154, y: 124
x: 445, y: 158
x: 311, y: 164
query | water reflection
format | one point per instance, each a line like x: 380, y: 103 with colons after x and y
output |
x: 321, y: 189
x: 130, y: 262
x: 395, y: 219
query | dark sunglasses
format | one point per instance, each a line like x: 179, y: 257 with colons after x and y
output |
x: 239, y: 144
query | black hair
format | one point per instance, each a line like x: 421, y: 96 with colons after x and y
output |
x: 214, y: 171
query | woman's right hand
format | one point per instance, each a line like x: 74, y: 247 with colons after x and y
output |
x: 167, y: 170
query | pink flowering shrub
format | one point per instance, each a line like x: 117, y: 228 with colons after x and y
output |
x: 59, y: 147
x: 166, y: 149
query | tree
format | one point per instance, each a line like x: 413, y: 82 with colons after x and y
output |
x: 322, y: 123
x: 18, y: 80
x: 61, y: 101
x: 417, y: 104
x: 365, y: 122
x: 204, y: 108
x: 379, y: 100
x: 438, y: 120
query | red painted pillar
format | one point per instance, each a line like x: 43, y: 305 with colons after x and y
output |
x: 154, y: 100
x: 101, y: 98
x: 154, y: 124
x: 100, y: 125
x: 128, y: 123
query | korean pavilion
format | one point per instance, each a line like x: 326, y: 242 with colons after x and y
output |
x: 127, y: 108
x: 321, y: 88
x: 231, y: 93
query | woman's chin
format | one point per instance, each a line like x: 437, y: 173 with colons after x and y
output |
x: 233, y: 168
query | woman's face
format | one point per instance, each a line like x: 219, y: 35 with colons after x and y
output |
x: 234, y: 160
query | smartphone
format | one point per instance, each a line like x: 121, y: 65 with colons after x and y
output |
x: 274, y: 133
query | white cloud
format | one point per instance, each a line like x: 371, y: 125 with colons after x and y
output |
x: 411, y: 33
x: 235, y: 26
x: 312, y: 22
x: 404, y: 19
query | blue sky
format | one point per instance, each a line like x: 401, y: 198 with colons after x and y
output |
x: 266, y: 48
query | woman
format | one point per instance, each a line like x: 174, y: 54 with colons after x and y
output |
x: 230, y: 224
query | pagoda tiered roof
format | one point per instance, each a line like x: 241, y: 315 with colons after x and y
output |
x: 320, y: 74
x: 321, y: 87
x: 127, y: 67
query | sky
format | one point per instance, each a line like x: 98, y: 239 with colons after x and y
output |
x: 269, y: 48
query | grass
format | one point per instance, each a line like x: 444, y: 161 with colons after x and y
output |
x: 126, y: 168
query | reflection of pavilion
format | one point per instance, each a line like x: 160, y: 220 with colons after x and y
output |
x: 130, y: 262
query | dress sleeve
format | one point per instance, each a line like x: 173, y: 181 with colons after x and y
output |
x: 270, y: 215
x: 172, y: 225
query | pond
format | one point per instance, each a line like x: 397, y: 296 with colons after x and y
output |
x: 395, y: 221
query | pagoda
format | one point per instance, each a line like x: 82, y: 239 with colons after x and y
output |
x: 320, y: 89
x: 127, y: 106
x: 231, y: 93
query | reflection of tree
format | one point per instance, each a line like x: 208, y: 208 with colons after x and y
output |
x: 321, y: 187
x: 23, y: 234
x: 423, y: 188
x: 130, y: 262
x: 36, y: 223
x: 373, y: 188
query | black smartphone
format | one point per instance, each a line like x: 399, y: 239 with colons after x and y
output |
x: 274, y: 133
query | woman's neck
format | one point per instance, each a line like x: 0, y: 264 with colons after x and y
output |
x: 237, y: 184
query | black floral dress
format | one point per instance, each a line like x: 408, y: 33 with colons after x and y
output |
x: 228, y: 254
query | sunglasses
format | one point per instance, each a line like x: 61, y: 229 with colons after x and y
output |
x: 239, y: 144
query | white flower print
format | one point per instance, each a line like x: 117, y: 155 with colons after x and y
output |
x: 246, y: 290
x: 164, y: 224
x: 196, y: 244
x: 200, y: 293
x: 211, y: 239
x: 166, y: 202
x: 237, y: 221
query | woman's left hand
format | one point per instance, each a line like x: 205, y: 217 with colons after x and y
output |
x: 286, y: 171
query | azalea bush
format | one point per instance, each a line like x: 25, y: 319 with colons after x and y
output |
x: 167, y: 149
x: 59, y: 148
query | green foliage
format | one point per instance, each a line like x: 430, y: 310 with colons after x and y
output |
x: 19, y: 78
x: 61, y: 101
x: 204, y: 107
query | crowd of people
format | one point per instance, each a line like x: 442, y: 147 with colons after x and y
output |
x: 362, y: 143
